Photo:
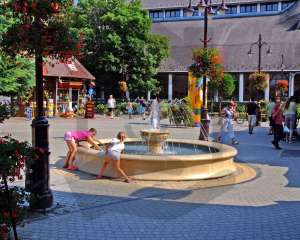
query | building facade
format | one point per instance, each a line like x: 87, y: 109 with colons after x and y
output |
x: 232, y: 33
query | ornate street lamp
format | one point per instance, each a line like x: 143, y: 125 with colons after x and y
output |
x: 205, y: 6
x: 41, y: 30
x: 260, y: 43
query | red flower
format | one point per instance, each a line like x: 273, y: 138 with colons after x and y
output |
x: 33, y: 5
x: 55, y: 7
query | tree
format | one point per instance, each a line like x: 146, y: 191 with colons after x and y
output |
x: 118, y: 41
x: 227, y: 86
x: 41, y: 29
x: 16, y: 73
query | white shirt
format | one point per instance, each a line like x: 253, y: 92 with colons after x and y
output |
x: 111, y: 102
x: 116, y: 145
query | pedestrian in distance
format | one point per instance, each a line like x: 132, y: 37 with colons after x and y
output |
x: 227, y: 127
x: 270, y: 108
x: 113, y: 156
x: 111, y: 105
x: 252, y: 109
x: 72, y: 139
x: 277, y: 116
x: 290, y: 118
x: 129, y: 108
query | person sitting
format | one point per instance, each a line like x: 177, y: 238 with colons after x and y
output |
x: 113, y: 155
x: 72, y: 138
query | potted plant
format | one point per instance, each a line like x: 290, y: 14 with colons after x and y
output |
x: 258, y: 82
x: 13, y: 155
x: 282, y: 86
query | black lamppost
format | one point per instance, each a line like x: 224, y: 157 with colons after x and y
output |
x: 205, y: 6
x: 37, y: 177
x: 260, y: 43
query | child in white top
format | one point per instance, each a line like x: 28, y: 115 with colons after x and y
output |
x: 113, y: 155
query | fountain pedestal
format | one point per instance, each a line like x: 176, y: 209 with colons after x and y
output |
x: 155, y: 139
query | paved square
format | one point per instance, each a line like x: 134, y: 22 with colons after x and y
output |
x: 267, y: 207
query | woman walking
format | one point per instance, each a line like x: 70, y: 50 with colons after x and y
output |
x: 278, y: 120
x: 290, y: 117
x: 227, y: 128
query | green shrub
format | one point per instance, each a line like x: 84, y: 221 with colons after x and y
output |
x: 241, y: 107
x: 4, y: 112
x: 121, y: 107
x: 135, y: 107
x: 298, y: 111
x: 164, y: 110
x: 101, y: 108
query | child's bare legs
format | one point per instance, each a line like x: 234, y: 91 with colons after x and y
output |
x: 117, y: 168
x: 72, y: 153
x: 67, y: 159
x: 104, y: 166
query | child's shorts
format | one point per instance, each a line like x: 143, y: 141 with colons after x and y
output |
x: 68, y: 136
x: 114, y: 155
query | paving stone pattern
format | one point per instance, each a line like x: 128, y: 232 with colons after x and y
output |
x: 267, y: 207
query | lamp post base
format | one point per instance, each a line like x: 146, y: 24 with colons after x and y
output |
x: 37, y: 174
x: 204, y: 126
x: 41, y: 200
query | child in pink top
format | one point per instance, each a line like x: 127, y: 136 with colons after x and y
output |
x: 72, y: 138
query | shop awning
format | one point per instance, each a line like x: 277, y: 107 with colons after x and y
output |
x: 66, y: 85
x: 71, y: 69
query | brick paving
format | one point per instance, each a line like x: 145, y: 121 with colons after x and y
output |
x: 267, y: 207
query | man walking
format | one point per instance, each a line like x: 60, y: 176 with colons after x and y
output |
x: 252, y: 112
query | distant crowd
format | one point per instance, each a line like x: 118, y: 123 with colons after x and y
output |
x: 281, y: 115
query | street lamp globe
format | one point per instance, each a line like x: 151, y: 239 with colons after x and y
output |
x: 201, y: 5
x: 190, y: 10
x: 223, y: 8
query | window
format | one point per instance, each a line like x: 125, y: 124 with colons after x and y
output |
x: 231, y: 10
x: 249, y: 8
x: 286, y: 4
x: 195, y: 13
x: 173, y: 13
x: 269, y: 7
x: 156, y: 14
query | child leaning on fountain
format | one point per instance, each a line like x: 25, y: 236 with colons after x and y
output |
x: 113, y: 156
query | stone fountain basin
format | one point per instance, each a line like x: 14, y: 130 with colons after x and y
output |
x: 163, y: 167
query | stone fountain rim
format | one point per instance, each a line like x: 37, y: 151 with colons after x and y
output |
x: 157, y: 131
x: 225, y: 151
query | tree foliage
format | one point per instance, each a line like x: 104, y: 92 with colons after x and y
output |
x: 227, y: 86
x: 16, y: 73
x: 39, y: 26
x: 117, y: 40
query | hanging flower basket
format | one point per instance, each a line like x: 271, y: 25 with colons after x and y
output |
x: 123, y: 86
x: 258, y: 81
x: 282, y: 85
x: 207, y: 62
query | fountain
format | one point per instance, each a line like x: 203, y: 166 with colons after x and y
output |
x: 155, y: 157
x: 154, y: 137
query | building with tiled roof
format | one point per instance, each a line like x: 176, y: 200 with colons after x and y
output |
x: 232, y: 33
x: 66, y: 83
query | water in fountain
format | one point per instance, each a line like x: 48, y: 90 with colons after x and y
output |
x: 156, y: 143
x: 155, y: 115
